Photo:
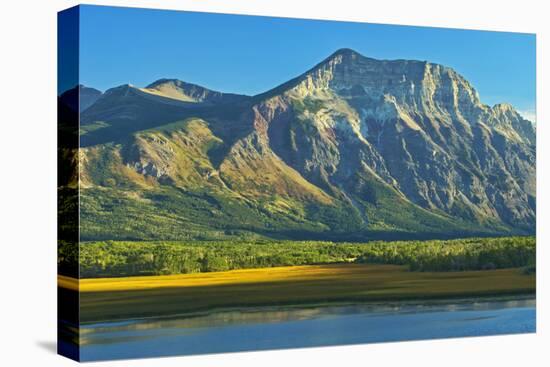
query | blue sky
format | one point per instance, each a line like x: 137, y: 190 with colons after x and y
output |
x: 249, y: 55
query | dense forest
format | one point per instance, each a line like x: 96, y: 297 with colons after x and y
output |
x: 123, y: 258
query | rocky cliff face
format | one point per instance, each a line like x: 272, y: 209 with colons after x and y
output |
x: 418, y: 127
x: 378, y: 145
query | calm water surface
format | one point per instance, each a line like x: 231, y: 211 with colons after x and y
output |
x: 305, y: 327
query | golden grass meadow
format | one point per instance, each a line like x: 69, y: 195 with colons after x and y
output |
x: 109, y: 299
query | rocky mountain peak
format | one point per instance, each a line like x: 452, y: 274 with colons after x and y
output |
x: 166, y: 81
x: 505, y: 110
x: 188, y: 92
x: 177, y: 89
x: 121, y: 89
x: 415, y: 84
x: 508, y: 121
x: 347, y: 56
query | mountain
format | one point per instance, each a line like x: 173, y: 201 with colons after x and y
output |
x: 88, y: 96
x: 126, y: 109
x: 187, y: 92
x: 354, y: 148
x: 81, y: 97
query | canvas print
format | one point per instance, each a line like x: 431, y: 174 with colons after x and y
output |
x: 236, y: 183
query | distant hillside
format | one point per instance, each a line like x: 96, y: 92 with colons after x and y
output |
x: 80, y: 98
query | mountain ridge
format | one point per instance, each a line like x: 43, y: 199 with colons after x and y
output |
x: 335, y: 150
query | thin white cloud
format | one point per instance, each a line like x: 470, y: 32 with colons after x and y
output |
x: 530, y: 115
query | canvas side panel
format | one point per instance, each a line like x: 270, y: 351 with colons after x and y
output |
x: 68, y: 182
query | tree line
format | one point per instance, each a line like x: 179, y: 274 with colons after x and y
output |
x: 129, y: 258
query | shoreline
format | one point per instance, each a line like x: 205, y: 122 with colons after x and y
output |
x: 428, y: 302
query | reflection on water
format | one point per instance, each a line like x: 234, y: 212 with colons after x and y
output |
x: 301, y: 327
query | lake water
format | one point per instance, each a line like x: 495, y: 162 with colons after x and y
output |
x: 305, y: 327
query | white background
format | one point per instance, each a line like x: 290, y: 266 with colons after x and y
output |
x: 28, y: 182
